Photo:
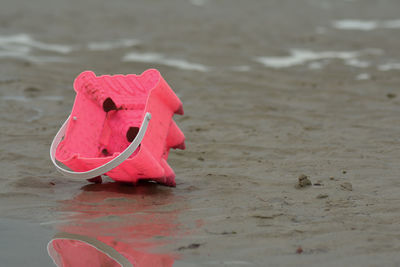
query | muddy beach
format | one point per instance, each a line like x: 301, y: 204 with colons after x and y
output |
x: 291, y: 120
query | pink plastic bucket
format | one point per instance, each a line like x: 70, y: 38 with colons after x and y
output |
x: 120, y: 126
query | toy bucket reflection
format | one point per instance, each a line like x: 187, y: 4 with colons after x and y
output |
x: 117, y: 225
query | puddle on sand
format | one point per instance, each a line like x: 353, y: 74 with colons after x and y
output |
x: 389, y: 66
x: 21, y: 46
x: 162, y: 60
x: 300, y: 57
x: 117, y: 225
x: 110, y: 45
x: 22, y: 243
x: 365, y: 25
x: 363, y: 76
x: 24, y: 42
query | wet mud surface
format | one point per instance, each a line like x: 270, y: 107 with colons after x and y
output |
x: 271, y: 90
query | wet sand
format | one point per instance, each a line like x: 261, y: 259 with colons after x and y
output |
x: 271, y: 90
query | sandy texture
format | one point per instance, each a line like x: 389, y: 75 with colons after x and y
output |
x: 256, y: 118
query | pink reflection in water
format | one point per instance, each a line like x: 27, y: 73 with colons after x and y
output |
x: 118, y: 225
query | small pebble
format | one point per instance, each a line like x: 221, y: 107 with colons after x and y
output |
x: 347, y: 186
x: 299, y: 250
x: 391, y: 95
x: 318, y: 183
x: 304, y: 181
x: 191, y: 246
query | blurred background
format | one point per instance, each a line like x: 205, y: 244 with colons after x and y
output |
x: 271, y: 89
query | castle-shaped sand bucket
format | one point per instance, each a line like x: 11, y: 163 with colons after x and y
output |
x: 120, y: 126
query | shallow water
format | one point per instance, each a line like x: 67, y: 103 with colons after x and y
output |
x: 23, y: 242
x: 271, y: 90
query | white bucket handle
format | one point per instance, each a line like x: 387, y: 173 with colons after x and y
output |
x: 109, y: 251
x: 103, y: 168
